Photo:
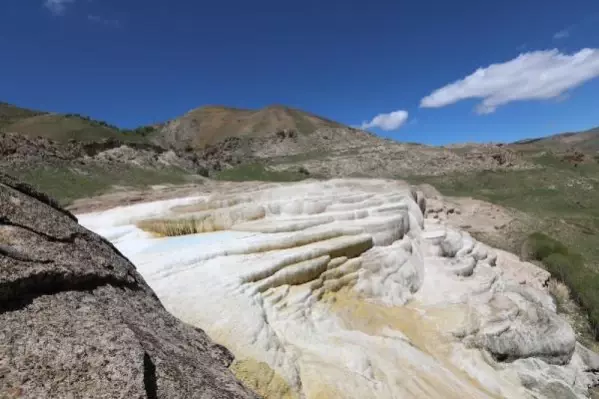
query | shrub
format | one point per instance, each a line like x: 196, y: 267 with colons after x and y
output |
x: 302, y: 170
x: 539, y: 246
x: 569, y: 268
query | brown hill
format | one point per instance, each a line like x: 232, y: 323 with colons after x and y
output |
x: 586, y: 141
x: 212, y: 124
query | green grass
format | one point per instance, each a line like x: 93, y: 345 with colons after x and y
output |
x: 64, y: 128
x: 10, y: 114
x: 68, y: 184
x: 258, y: 172
x: 558, y: 191
x: 568, y: 267
x: 302, y: 157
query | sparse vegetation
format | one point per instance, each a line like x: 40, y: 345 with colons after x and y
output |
x: 258, y: 172
x: 142, y: 131
x: 91, y: 121
x: 306, y: 156
x: 139, y: 131
x: 171, y: 227
x: 10, y: 114
x: 203, y: 222
x: 64, y: 127
x: 563, y: 200
x: 68, y: 184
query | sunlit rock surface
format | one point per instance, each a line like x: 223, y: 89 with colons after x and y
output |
x: 342, y: 289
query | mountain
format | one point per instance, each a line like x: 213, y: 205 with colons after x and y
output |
x: 73, y: 156
x: 211, y: 124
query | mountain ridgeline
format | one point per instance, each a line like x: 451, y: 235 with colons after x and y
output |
x: 210, y: 125
x: 196, y: 129
x: 57, y: 151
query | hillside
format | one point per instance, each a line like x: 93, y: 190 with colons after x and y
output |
x: 64, y: 127
x: 274, y: 143
x: 586, y: 141
x: 64, y: 153
x: 212, y: 124
x: 10, y: 114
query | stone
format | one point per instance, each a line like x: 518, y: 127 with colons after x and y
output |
x: 78, y: 321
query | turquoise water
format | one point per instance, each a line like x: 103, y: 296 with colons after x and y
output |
x: 209, y: 240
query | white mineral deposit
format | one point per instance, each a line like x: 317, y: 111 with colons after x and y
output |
x: 343, y: 289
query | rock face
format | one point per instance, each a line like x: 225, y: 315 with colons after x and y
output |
x: 78, y: 321
x: 342, y: 152
x: 347, y: 289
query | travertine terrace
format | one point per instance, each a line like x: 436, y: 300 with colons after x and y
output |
x: 344, y: 289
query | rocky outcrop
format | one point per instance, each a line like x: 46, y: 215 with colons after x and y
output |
x: 78, y: 321
x: 19, y: 152
x: 326, y: 152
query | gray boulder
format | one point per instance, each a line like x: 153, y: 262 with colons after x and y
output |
x: 78, y: 321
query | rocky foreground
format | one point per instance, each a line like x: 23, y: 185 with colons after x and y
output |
x: 78, y: 321
x: 350, y: 289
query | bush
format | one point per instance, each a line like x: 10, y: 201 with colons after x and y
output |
x: 540, y: 246
x: 302, y: 170
x: 569, y: 268
x: 141, y: 131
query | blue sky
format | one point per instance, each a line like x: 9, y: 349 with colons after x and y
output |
x: 134, y: 62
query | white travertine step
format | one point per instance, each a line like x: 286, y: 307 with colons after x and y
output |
x: 342, y: 289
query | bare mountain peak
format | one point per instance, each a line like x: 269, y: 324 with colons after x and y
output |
x: 210, y: 124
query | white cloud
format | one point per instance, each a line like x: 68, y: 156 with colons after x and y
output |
x: 57, y: 7
x: 562, y: 34
x: 391, y: 121
x: 537, y: 75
